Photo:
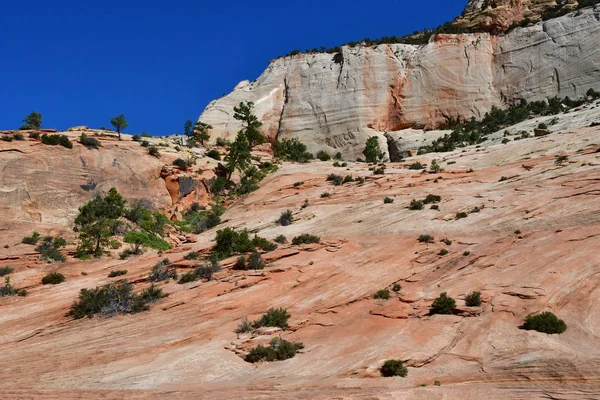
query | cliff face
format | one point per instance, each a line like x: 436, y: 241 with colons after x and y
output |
x: 334, y: 102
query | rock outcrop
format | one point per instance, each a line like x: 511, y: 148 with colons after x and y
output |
x: 335, y: 102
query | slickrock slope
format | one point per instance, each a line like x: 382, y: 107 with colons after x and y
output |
x: 185, y: 346
x: 335, y: 102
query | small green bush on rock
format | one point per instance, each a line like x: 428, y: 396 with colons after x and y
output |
x: 53, y: 278
x: 394, y: 368
x: 278, y: 349
x: 443, y: 305
x: 473, y: 299
x: 545, y: 322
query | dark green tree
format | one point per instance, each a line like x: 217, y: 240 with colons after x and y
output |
x: 372, y: 152
x: 251, y: 124
x: 32, y: 121
x: 120, y: 123
x: 94, y: 221
x: 200, y: 132
x: 239, y: 156
x: 187, y: 128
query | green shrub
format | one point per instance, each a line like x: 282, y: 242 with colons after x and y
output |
x: 33, y: 239
x: 136, y: 138
x: 112, y: 299
x: 542, y: 126
x: 240, y: 263
x: 34, y: 135
x: 372, y: 151
x: 53, y: 278
x: 6, y: 271
x: 337, y: 180
x: 416, y: 205
x: 244, y: 326
x: 230, y: 242
x: 274, y: 317
x: 379, y: 171
x: 502, y: 179
x: 162, y: 272
x: 462, y: 214
x: 279, y: 349
x: 305, y: 238
x: 145, y: 143
x: 348, y: 179
x: 153, y: 151
x: 9, y: 290
x: 473, y: 299
x: 286, y: 218
x: 298, y: 184
x: 214, y: 154
x: 360, y: 180
x: 432, y: 198
x: 545, y: 322
x: 188, y: 277
x: 139, y: 239
x: 417, y: 165
x: 291, y: 150
x: 325, y: 195
x: 394, y: 368
x: 426, y: 239
x: 54, y: 140
x: 192, y: 255
x: 118, y: 272
x: 323, y: 156
x: 560, y: 160
x: 443, y: 305
x: 466, y: 253
x: 447, y: 241
x: 222, y: 142
x: 443, y: 252
x: 207, y: 270
x: 181, y: 163
x: 89, y: 142
x: 18, y: 137
x: 383, y: 294
x: 388, y: 200
x: 338, y: 156
x: 281, y: 239
x: 435, y: 167
x: 396, y: 287
x: 49, y: 249
x: 6, y: 138
x: 263, y: 243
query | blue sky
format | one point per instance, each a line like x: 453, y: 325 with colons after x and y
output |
x: 161, y: 62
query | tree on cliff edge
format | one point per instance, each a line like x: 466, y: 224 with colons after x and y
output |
x: 120, y: 123
x: 32, y: 121
x: 243, y: 112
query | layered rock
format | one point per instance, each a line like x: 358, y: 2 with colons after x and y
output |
x: 335, y: 102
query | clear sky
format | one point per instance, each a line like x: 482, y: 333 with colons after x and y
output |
x: 161, y: 62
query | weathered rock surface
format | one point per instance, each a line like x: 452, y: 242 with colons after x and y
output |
x: 186, y: 347
x: 335, y: 102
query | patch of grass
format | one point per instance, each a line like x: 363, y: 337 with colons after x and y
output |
x: 278, y: 349
x: 118, y: 272
x: 382, y: 294
x: 394, y: 368
x: 444, y: 304
x: 473, y: 299
x: 53, y: 278
x: 545, y: 322
x: 139, y: 238
x: 305, y: 238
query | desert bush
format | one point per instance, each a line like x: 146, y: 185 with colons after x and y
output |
x: 89, y: 142
x: 443, y: 305
x: 435, y: 207
x: 394, y: 368
x: 230, y: 242
x: 278, y: 349
x: 426, y: 239
x: 447, y: 241
x: 323, y: 156
x: 118, y: 272
x: 417, y: 165
x: 136, y: 138
x: 305, y: 238
x: 54, y: 140
x: 244, y: 326
x: 542, y: 126
x: 255, y: 261
x: 348, y: 179
x: 192, y: 255
x: 34, y: 135
x: 462, y: 214
x: 432, y: 198
x: 145, y: 143
x: 274, y: 317
x: 6, y: 271
x: 286, y: 218
x: 222, y: 142
x: 545, y: 322
x: 33, y: 239
x: 298, y: 184
x: 181, y: 163
x: 292, y: 150
x: 281, y: 239
x: 338, y: 156
x: 49, y: 249
x: 153, y: 151
x: 325, y: 195
x: 337, y: 180
x: 435, y: 167
x: 560, y: 160
x: 388, y: 200
x: 360, y: 180
x: 190, y: 276
x: 416, y: 205
x: 263, y: 243
x: 379, y: 171
x: 383, y: 294
x: 18, y: 137
x: 473, y: 299
x: 6, y: 138
x: 139, y: 239
x: 443, y: 252
x: 214, y: 154
x: 466, y: 253
x: 113, y: 298
x: 10, y: 290
x: 162, y: 272
x: 396, y: 287
x: 240, y: 263
x: 53, y: 278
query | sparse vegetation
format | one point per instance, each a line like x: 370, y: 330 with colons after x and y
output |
x: 417, y: 166
x: 298, y: 184
x: 337, y: 180
x: 214, y: 154
x: 323, y: 156
x: 416, y: 205
x: 10, y: 290
x: 382, y: 294
x: 325, y: 195
x: 118, y: 272
x: 33, y: 239
x: 161, y: 271
x: 560, y: 160
x: 461, y: 214
x: 281, y: 239
x: 292, y: 150
x: 394, y: 368
x: 49, y: 249
x: 444, y: 304
x: 388, y: 200
x: 139, y: 239
x: 443, y: 252
x: 6, y: 271
x: 89, y: 142
x: 192, y: 255
x: 286, y: 218
x: 545, y: 322
x: 432, y: 198
x: 153, y: 151
x: 274, y: 317
x: 426, y: 239
x: 55, y: 140
x: 53, y: 278
x: 396, y: 287
x: 473, y: 299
